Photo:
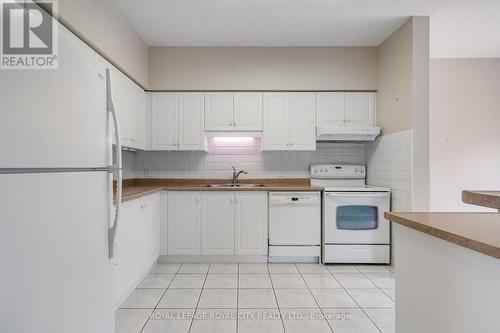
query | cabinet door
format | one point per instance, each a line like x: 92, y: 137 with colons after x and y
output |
x: 183, y: 223
x: 359, y: 109
x: 219, y: 111
x: 217, y: 223
x: 330, y: 109
x: 276, y: 134
x: 150, y: 230
x: 248, y: 111
x: 164, y: 121
x: 251, y: 223
x: 121, y: 90
x: 128, y: 261
x: 190, y: 113
x: 303, y: 121
x: 139, y: 138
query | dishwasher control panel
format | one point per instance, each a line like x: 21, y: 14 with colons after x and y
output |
x: 294, y: 199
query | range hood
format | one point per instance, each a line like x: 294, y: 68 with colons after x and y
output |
x: 347, y: 133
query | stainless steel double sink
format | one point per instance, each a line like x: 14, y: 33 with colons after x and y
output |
x: 236, y: 185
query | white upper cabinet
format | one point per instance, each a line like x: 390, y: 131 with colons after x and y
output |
x: 140, y: 117
x: 233, y: 111
x: 250, y: 223
x: 184, y: 223
x: 217, y: 223
x: 177, y: 121
x: 130, y: 105
x: 164, y: 121
x: 219, y: 111
x: 190, y: 115
x: 302, y: 121
x: 330, y: 109
x: 276, y: 135
x: 359, y: 109
x: 248, y: 111
x: 350, y: 109
x: 289, y: 121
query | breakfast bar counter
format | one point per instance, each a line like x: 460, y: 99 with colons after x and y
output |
x: 447, y: 271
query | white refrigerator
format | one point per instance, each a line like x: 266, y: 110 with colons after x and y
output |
x: 57, y: 218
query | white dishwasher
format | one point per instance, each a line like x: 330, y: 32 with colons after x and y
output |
x: 294, y: 226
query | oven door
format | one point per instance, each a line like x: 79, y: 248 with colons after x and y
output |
x: 356, y: 218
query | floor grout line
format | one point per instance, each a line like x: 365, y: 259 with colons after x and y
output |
x: 156, y: 306
x: 366, y: 314
x: 237, y: 297
x: 199, y: 299
x: 314, y: 298
x: 362, y: 309
x: 276, y: 298
x: 377, y: 287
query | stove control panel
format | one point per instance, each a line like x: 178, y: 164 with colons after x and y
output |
x: 338, y: 171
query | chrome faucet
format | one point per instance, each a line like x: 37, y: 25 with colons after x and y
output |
x: 237, y: 174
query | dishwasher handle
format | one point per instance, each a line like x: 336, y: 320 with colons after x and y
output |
x: 294, y: 199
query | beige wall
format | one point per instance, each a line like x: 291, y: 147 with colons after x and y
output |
x: 464, y: 130
x: 262, y: 68
x: 420, y: 35
x: 394, y: 81
x: 403, y: 97
x: 103, y: 25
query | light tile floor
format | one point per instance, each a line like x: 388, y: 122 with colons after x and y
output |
x: 262, y: 298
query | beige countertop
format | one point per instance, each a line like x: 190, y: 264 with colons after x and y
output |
x: 137, y: 188
x: 489, y: 199
x: 476, y: 231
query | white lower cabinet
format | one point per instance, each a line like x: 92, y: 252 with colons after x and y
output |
x: 183, y: 223
x: 250, y: 214
x: 128, y: 257
x: 217, y: 223
x: 137, y: 243
x: 150, y: 230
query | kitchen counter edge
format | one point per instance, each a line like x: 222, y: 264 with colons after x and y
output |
x: 477, y: 231
x: 490, y: 199
x: 134, y: 189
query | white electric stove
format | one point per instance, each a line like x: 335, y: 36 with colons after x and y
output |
x: 354, y: 229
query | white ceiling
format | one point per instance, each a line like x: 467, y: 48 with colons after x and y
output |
x: 459, y: 28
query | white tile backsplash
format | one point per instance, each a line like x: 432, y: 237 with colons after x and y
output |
x: 389, y: 163
x: 388, y: 160
x: 217, y: 162
x: 128, y: 160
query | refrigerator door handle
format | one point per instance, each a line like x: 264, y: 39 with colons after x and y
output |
x: 116, y: 168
